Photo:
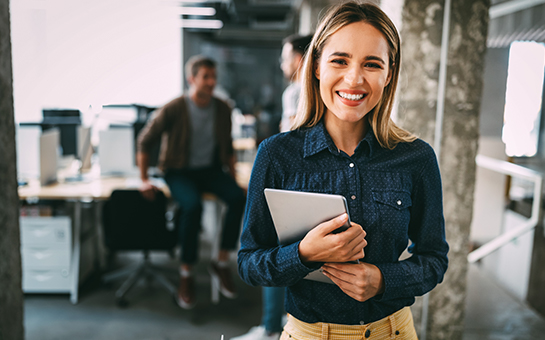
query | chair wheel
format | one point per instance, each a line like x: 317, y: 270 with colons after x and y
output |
x: 121, y: 302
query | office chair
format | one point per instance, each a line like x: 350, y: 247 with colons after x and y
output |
x: 131, y: 222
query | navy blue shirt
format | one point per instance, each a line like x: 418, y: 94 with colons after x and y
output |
x: 395, y: 195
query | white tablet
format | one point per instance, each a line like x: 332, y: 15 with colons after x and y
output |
x: 295, y: 213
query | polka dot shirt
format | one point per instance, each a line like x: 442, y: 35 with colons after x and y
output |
x: 395, y: 195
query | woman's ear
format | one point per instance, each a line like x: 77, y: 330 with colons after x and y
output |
x: 389, y: 75
x: 317, y: 70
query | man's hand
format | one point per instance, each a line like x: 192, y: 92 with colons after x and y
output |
x: 360, y: 281
x: 320, y: 245
x: 148, y: 190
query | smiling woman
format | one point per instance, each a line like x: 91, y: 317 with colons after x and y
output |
x: 344, y: 142
x: 352, y: 78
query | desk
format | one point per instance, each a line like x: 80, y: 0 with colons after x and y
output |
x: 94, y: 190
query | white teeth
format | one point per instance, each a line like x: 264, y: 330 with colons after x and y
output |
x: 350, y: 96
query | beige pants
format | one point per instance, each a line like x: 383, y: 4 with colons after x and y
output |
x: 399, y: 325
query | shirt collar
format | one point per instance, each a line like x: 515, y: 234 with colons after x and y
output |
x: 317, y: 139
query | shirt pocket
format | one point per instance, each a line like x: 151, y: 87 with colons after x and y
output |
x: 395, y: 199
x: 393, y: 207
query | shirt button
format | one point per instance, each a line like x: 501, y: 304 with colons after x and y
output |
x: 362, y: 323
x: 398, y: 202
x: 353, y: 197
x: 351, y: 165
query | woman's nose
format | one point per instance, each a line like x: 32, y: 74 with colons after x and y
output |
x: 354, y: 76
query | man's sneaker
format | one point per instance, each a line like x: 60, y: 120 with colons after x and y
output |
x: 257, y: 333
x: 185, y: 297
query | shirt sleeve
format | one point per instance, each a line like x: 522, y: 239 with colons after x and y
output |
x: 261, y: 261
x: 421, y: 272
x: 152, y: 131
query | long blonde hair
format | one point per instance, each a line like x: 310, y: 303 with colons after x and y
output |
x: 311, y: 108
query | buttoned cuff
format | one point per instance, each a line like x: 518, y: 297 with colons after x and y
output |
x: 394, y: 285
x: 300, y: 269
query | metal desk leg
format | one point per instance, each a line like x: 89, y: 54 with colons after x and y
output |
x: 100, y: 261
x: 76, y: 249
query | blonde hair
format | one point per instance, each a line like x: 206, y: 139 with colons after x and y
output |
x: 311, y: 108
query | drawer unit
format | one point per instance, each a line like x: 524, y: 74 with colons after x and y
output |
x: 36, y: 280
x: 46, y: 248
x: 46, y: 231
x: 39, y: 256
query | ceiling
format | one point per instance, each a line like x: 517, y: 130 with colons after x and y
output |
x: 249, y: 21
x: 512, y: 20
x: 259, y: 22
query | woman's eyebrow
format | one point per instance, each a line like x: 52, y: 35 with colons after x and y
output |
x: 340, y: 54
x: 373, y: 57
x: 348, y: 55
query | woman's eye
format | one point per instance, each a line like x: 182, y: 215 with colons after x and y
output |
x: 373, y: 65
x: 338, y: 61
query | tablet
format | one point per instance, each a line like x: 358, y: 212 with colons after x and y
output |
x: 295, y: 213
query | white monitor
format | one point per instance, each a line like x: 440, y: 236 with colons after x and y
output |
x: 28, y: 151
x: 116, y: 151
x: 49, y: 148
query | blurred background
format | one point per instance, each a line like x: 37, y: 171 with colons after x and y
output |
x: 84, y: 68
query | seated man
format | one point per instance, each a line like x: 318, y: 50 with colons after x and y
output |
x: 196, y: 156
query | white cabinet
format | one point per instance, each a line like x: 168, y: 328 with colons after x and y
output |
x: 46, y: 250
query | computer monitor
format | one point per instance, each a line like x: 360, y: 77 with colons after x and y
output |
x: 49, y: 145
x: 67, y: 121
x: 73, y: 114
x: 119, y: 114
x: 116, y: 151
x: 28, y: 151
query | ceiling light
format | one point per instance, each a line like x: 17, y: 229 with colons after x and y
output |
x: 204, y: 11
x: 195, y: 23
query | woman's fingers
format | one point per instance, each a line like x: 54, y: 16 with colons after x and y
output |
x: 359, y: 281
x: 321, y: 245
x: 332, y: 225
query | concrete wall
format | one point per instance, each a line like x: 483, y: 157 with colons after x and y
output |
x: 421, y: 43
x: 11, y: 295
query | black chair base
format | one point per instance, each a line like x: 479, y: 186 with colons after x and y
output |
x: 145, y: 269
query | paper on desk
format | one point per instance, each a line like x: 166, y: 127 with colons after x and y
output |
x: 135, y: 183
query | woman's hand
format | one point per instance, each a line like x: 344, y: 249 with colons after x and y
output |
x: 320, y: 245
x: 360, y: 281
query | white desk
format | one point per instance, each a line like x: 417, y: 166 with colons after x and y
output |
x: 95, y: 190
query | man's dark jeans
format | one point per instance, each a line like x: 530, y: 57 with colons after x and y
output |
x: 186, y: 187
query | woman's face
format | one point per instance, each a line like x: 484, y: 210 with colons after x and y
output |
x: 353, y: 71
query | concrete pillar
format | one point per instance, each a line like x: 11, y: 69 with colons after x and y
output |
x: 421, y: 45
x: 11, y: 296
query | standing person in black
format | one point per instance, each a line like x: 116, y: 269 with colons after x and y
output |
x: 196, y: 156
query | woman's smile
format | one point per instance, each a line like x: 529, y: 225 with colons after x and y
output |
x: 353, y: 70
x: 351, y: 97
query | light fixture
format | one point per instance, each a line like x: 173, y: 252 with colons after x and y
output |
x: 203, y: 11
x: 196, y: 23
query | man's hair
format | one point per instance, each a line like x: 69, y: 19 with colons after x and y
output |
x: 298, y: 42
x: 194, y: 63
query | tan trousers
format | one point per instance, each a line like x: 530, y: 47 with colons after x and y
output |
x: 399, y: 325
